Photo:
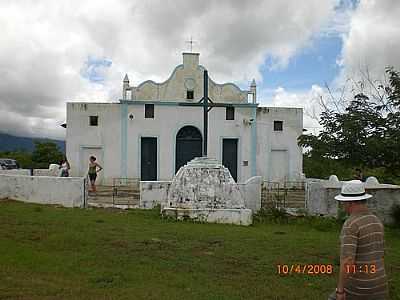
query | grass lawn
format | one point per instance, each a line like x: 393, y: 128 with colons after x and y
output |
x: 58, y: 253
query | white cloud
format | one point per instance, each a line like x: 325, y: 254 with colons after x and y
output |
x: 45, y: 44
x: 370, y: 33
x: 373, y: 39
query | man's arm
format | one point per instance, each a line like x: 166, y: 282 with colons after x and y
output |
x: 348, y: 250
x: 343, y: 276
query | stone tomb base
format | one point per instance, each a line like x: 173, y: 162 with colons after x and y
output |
x: 203, y: 190
x: 241, y: 216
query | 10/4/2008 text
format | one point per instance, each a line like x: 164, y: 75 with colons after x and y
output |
x: 307, y: 269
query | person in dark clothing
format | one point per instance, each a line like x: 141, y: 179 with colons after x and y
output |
x: 94, y: 168
x: 359, y: 175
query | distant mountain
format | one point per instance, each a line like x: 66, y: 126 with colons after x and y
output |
x: 13, y: 143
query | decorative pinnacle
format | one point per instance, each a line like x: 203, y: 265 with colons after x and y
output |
x: 126, y: 79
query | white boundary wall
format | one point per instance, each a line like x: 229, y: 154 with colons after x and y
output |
x: 251, y: 192
x: 321, y: 198
x: 65, y: 191
x: 153, y: 193
x: 26, y: 172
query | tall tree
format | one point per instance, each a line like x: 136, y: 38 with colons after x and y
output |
x: 46, y: 153
x: 366, y: 133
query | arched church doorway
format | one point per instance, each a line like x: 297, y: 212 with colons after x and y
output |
x: 188, y: 145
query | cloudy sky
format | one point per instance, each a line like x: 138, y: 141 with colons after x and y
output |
x: 52, y: 52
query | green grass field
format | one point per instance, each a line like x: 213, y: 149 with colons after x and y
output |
x: 58, y: 253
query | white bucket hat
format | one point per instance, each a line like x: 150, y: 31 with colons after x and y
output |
x: 353, y: 190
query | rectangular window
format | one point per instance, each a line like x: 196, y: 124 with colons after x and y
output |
x: 278, y: 125
x: 149, y: 111
x: 189, y: 94
x: 93, y: 120
x: 230, y: 113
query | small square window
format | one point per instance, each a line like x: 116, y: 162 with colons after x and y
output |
x: 93, y: 120
x: 189, y: 94
x: 230, y: 113
x: 149, y: 111
x: 278, y: 125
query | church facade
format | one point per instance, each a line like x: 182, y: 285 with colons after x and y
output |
x: 157, y: 127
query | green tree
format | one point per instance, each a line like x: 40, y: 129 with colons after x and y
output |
x: 23, y: 158
x: 46, y: 153
x: 366, y: 134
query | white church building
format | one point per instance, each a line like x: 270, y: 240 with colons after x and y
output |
x: 157, y: 127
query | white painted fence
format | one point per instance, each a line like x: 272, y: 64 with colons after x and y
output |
x: 36, y: 172
x: 26, y: 172
x: 65, y: 191
x: 321, y: 198
x: 153, y: 193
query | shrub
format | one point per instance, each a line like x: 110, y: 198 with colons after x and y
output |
x: 395, y: 214
x: 277, y: 215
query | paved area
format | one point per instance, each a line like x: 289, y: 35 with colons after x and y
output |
x: 118, y: 197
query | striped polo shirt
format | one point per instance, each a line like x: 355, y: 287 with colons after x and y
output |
x: 362, y: 240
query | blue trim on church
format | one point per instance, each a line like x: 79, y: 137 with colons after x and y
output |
x: 254, y: 142
x: 124, y: 140
x: 175, y: 103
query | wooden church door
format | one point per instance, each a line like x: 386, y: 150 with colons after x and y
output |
x: 188, y: 145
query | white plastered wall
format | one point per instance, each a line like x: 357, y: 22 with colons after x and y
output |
x: 65, y: 191
x: 106, y: 137
x: 269, y: 140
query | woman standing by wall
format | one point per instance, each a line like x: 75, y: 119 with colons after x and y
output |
x: 94, y: 168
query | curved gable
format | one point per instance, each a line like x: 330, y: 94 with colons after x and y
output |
x: 188, y: 76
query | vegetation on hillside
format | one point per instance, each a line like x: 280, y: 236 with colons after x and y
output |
x: 14, y: 143
x: 44, y: 154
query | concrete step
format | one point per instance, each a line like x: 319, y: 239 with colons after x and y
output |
x: 108, y: 205
x: 298, y: 199
x: 110, y: 200
x: 95, y: 203
x: 282, y: 196
x: 295, y: 203
x: 285, y: 193
x: 116, y: 192
x: 283, y: 190
x: 97, y: 198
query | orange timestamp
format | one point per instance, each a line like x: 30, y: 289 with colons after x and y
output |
x: 307, y: 269
x: 362, y: 268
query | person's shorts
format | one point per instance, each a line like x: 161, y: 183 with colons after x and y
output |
x: 92, y: 177
x: 64, y: 173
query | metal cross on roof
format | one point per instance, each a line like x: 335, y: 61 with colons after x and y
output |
x: 191, y: 42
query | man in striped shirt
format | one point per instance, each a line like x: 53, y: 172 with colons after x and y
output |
x: 362, y: 270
